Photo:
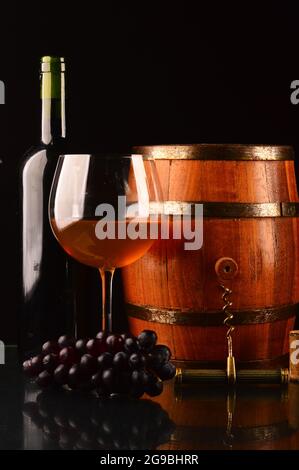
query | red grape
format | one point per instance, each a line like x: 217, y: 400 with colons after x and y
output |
x: 37, y: 364
x: 137, y: 377
x: 28, y: 369
x: 61, y: 374
x: 68, y: 356
x: 105, y: 360
x: 109, y: 379
x: 141, y: 377
x: 74, y: 377
x: 81, y: 346
x: 112, y: 364
x: 50, y: 362
x: 137, y: 361
x: 95, y: 347
x: 50, y: 347
x: 147, y: 339
x: 166, y: 371
x: 120, y: 360
x: 88, y: 364
x: 115, y: 343
x: 155, y: 388
x: 159, y: 355
x: 65, y: 341
x: 102, y: 335
x: 131, y: 345
x: 44, y: 379
x: 96, y: 379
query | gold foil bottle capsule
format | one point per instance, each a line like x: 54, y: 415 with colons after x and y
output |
x: 294, y: 356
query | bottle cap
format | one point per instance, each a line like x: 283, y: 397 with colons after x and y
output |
x: 52, y: 64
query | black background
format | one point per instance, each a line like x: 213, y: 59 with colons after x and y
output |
x: 143, y: 73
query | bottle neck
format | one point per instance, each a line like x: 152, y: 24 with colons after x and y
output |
x: 53, y: 107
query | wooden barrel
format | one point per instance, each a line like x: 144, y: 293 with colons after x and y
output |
x: 250, y: 245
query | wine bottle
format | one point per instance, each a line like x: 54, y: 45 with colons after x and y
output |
x: 47, y: 308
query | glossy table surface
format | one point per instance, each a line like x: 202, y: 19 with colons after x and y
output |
x: 197, y: 418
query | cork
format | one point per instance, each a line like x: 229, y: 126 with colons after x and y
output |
x: 294, y: 356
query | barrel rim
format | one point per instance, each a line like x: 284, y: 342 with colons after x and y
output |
x: 190, y: 317
x: 227, y: 210
x: 206, y: 151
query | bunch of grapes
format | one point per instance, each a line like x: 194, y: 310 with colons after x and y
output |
x: 68, y: 422
x: 111, y: 364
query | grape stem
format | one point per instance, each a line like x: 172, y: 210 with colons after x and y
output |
x: 107, y: 281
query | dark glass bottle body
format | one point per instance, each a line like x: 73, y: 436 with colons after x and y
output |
x: 58, y: 294
x: 47, y: 305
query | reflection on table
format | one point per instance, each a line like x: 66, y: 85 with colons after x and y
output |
x: 244, y: 418
x: 69, y: 420
x: 197, y: 417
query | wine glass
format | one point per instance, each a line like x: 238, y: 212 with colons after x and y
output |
x: 104, y: 212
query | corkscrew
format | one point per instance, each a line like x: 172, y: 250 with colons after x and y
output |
x: 231, y: 366
x: 226, y: 269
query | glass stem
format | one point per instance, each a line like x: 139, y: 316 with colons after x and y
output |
x: 107, y: 281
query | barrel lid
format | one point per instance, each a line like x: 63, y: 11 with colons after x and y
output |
x: 217, y: 152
